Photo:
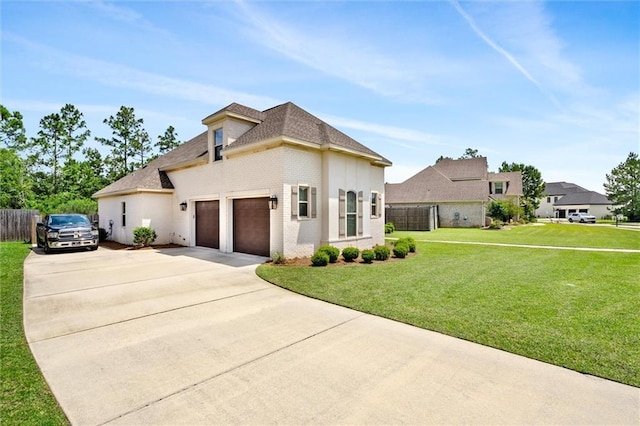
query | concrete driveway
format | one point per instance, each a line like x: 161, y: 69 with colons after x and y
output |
x: 192, y: 336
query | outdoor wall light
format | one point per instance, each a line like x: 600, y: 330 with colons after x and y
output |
x: 183, y: 206
x: 273, y: 202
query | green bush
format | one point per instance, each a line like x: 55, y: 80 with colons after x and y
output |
x: 389, y: 228
x: 350, y: 254
x: 103, y: 234
x: 278, y: 258
x: 320, y: 258
x: 400, y: 250
x: 332, y: 252
x: 409, y: 241
x: 495, y: 225
x: 382, y: 252
x: 368, y: 256
x: 144, y: 236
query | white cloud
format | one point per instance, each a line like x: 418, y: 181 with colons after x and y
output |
x: 116, y: 75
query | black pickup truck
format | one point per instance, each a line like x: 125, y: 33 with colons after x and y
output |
x: 66, y: 231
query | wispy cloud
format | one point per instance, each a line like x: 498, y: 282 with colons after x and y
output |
x: 508, y: 56
x: 116, y: 75
x: 341, y: 56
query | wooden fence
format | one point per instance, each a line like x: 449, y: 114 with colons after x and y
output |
x: 16, y: 225
x: 419, y: 218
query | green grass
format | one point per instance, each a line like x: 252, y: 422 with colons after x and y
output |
x: 25, y: 396
x: 574, y: 309
x: 564, y: 235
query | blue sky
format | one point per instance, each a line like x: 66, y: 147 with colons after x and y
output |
x: 551, y: 84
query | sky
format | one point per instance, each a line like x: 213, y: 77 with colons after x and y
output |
x: 551, y: 84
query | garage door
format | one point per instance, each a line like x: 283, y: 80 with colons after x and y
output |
x: 251, y: 226
x: 208, y: 224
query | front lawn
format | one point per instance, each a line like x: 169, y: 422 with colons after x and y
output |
x: 25, y: 397
x: 573, y: 309
x: 563, y: 235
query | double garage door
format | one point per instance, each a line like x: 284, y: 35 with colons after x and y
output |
x: 251, y: 228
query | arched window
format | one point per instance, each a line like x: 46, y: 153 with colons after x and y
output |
x: 352, y: 214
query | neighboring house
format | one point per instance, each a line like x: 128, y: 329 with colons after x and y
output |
x: 461, y: 190
x: 560, y: 199
x: 258, y: 182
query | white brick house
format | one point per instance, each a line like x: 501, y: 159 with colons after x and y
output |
x: 215, y: 189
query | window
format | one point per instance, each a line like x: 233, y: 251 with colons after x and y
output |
x: 303, y: 201
x: 548, y: 199
x: 124, y: 214
x: 555, y: 199
x: 374, y: 204
x: 217, y: 143
x: 498, y: 187
x: 352, y: 214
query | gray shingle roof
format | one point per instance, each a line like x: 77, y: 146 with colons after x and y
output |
x: 464, y: 169
x: 290, y: 121
x: 562, y: 188
x: 286, y: 120
x: 151, y: 177
x: 583, y: 197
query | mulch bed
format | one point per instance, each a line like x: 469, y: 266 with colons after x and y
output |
x: 112, y: 245
x: 306, y: 261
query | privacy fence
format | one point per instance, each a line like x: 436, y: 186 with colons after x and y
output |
x: 16, y: 225
x: 20, y: 225
x: 419, y: 218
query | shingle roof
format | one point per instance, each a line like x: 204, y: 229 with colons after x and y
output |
x: 286, y: 120
x: 463, y: 169
x: 562, y: 188
x: 151, y: 177
x: 513, y: 178
x: 585, y: 197
x: 290, y: 121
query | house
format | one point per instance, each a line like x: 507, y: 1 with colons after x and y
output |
x: 459, y: 189
x: 257, y: 182
x: 563, y: 198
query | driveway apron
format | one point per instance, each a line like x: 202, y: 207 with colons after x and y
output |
x: 193, y: 336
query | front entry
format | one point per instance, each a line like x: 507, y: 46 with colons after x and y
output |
x: 251, y: 226
x: 208, y: 224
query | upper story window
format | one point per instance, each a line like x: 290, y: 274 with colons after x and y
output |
x: 303, y: 201
x: 555, y: 199
x: 352, y: 214
x: 548, y: 199
x: 217, y: 143
x: 497, y: 186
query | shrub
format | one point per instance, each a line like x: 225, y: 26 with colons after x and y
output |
x: 495, y: 225
x: 320, y: 258
x: 409, y: 241
x: 382, y: 252
x: 144, y: 236
x: 278, y: 258
x: 350, y: 254
x: 389, y: 228
x: 102, y: 234
x: 332, y: 252
x: 368, y: 256
x: 400, y: 250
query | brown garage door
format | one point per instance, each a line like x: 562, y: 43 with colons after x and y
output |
x: 208, y: 224
x: 251, y: 226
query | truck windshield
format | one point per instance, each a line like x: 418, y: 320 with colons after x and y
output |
x: 69, y: 220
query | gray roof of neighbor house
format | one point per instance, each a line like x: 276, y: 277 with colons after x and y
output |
x: 562, y: 188
x: 451, y: 181
x: 152, y: 176
x: 282, y: 121
x: 584, y: 197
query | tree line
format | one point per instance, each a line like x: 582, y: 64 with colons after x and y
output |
x: 55, y: 170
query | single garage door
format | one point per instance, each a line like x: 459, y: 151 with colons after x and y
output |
x: 208, y: 224
x: 251, y: 226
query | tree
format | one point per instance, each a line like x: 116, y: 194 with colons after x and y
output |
x: 61, y: 135
x: 15, y: 183
x: 12, y: 132
x: 504, y: 209
x: 168, y: 141
x: 532, y: 185
x: 623, y: 187
x: 469, y: 153
x: 125, y: 129
x: 141, y: 149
